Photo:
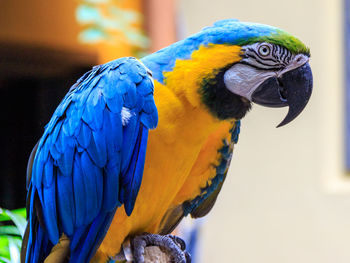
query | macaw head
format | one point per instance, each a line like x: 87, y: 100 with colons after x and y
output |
x: 234, y: 64
x: 273, y: 71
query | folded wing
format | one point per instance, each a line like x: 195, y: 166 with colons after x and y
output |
x: 90, y: 159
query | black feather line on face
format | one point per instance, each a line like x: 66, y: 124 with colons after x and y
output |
x: 221, y: 102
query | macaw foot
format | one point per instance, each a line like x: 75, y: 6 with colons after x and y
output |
x: 172, y: 245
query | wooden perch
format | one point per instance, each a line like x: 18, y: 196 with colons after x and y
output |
x: 154, y: 254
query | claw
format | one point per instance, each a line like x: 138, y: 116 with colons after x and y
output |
x: 188, y: 257
x: 178, y: 241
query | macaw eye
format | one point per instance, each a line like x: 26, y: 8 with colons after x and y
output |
x: 264, y: 50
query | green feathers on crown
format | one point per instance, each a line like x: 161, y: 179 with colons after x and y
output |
x: 281, y: 38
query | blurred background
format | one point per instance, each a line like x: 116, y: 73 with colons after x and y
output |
x: 287, y: 196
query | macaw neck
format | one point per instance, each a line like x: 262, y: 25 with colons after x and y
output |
x: 178, y: 84
x: 179, y: 120
x: 185, y: 75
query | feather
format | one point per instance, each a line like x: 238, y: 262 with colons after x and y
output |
x: 78, y: 237
x: 79, y: 193
x: 124, y: 68
x: 221, y: 168
x: 149, y: 120
x: 134, y: 74
x: 113, y: 126
x: 130, y: 97
x: 84, y: 136
x: 82, y: 97
x: 129, y: 139
x: 91, y: 176
x: 149, y: 106
x: 61, y: 142
x: 115, y: 104
x: 93, y: 113
x: 97, y: 149
x: 48, y: 173
x: 141, y: 69
x: 54, y: 153
x: 38, y: 168
x: 49, y: 211
x: 131, y: 181
x: 65, y: 206
x: 53, y: 136
x: 145, y: 88
x: 65, y: 162
x: 110, y: 84
x: 111, y: 184
x: 72, y: 121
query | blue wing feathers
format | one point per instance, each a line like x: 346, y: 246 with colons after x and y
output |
x: 133, y: 72
x: 55, y: 132
x: 48, y: 201
x: 84, y: 135
x: 126, y: 179
x: 97, y: 152
x: 38, y: 167
x: 79, y: 193
x: 149, y: 106
x: 78, y: 237
x: 89, y: 178
x: 130, y: 98
x: 71, y: 121
x: 115, y: 104
x: 113, y: 86
x: 113, y: 126
x: 145, y: 87
x: 130, y: 133
x: 149, y: 120
x: 65, y: 162
x: 132, y: 179
x: 86, y: 247
x: 42, y: 246
x: 48, y: 173
x: 80, y: 170
x: 111, y: 188
x: 65, y: 203
x: 54, y: 153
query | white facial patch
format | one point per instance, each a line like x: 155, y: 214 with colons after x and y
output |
x: 126, y: 115
x: 244, y: 79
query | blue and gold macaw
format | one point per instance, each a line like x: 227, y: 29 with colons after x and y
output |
x: 99, y: 176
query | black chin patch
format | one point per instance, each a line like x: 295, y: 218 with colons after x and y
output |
x: 221, y: 102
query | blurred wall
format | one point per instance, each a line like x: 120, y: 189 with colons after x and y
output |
x: 39, y: 22
x: 286, y: 198
x: 53, y: 24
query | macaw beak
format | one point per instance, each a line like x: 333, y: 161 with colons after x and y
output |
x: 293, y: 88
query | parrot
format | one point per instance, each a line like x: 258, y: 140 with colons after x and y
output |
x: 137, y: 145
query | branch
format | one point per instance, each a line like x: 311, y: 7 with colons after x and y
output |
x: 155, y: 255
x: 152, y: 254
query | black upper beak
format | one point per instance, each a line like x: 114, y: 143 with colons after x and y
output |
x: 292, y: 89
